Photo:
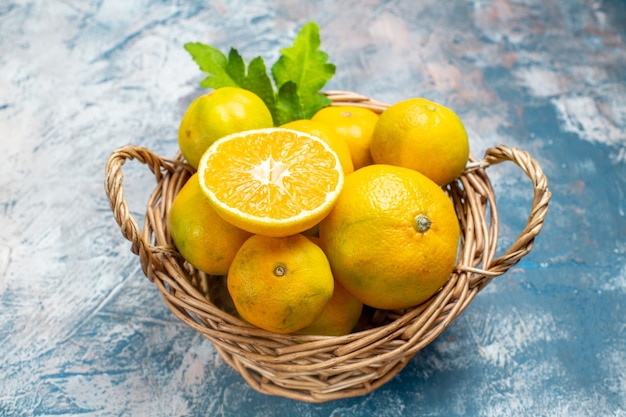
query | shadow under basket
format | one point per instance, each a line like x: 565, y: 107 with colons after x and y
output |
x: 323, y: 368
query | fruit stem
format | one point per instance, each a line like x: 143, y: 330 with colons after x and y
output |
x: 280, y: 270
x: 422, y: 223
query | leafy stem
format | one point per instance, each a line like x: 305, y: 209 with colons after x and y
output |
x: 298, y: 76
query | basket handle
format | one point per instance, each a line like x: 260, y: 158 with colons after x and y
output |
x: 113, y: 185
x: 541, y: 197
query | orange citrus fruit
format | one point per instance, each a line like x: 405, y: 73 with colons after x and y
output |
x: 203, y: 238
x: 274, y: 182
x: 356, y: 125
x: 328, y: 135
x: 422, y: 135
x: 392, y: 236
x: 339, y: 317
x: 219, y: 113
x: 280, y: 284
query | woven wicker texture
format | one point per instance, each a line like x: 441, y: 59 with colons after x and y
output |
x: 324, y: 368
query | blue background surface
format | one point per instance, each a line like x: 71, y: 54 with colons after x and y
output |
x: 82, y: 332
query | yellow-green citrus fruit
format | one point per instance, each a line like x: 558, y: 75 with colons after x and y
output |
x: 280, y: 284
x: 201, y: 236
x: 422, y: 135
x: 217, y: 114
x: 392, y: 236
x: 341, y: 315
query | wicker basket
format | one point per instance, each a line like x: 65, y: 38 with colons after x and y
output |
x: 324, y: 368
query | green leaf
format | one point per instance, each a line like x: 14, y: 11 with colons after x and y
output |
x: 236, y: 67
x: 231, y: 72
x: 260, y: 84
x: 213, y: 62
x: 299, y: 74
x: 316, y: 102
x: 288, y: 105
x: 306, y: 66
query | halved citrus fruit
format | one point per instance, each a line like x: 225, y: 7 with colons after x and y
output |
x: 273, y: 182
x: 328, y: 135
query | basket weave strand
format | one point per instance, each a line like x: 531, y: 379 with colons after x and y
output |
x: 324, y: 368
